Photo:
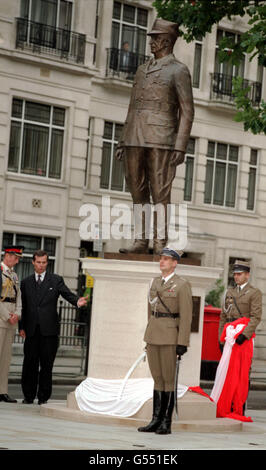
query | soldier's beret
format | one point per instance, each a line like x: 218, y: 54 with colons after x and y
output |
x: 240, y: 266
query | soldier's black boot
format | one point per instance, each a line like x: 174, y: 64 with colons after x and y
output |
x: 168, y: 406
x: 156, y: 415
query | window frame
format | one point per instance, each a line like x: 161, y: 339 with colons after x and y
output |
x: 227, y: 162
x: 256, y: 168
x: 192, y: 157
x: 195, y: 83
x: 50, y: 126
x: 135, y: 25
x: 113, y: 142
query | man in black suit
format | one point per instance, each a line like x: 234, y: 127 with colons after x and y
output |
x: 39, y: 326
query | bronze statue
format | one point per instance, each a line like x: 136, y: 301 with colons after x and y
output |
x: 156, y: 131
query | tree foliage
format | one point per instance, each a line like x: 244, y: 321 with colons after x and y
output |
x: 214, y: 296
x: 197, y: 17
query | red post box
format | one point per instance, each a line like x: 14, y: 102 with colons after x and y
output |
x: 210, y: 354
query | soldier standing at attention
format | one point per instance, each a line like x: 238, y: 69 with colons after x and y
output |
x: 243, y: 300
x: 167, y: 335
x: 156, y: 132
x: 10, y: 312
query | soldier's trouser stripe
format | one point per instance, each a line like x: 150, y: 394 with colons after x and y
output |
x: 162, y: 360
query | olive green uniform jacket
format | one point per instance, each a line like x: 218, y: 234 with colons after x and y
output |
x: 177, y: 296
x: 249, y: 302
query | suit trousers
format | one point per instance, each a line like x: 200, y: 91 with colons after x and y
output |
x: 39, y: 355
x: 6, y: 340
x: 162, y: 362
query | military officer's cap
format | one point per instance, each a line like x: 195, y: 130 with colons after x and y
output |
x: 167, y: 251
x: 241, y: 266
x: 161, y: 26
x: 14, y: 250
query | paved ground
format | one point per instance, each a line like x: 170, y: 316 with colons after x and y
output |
x: 22, y: 428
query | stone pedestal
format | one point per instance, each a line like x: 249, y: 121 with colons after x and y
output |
x: 119, y: 316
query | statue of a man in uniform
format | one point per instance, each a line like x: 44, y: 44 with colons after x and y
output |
x: 156, y: 132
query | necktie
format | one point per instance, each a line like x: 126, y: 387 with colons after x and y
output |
x: 39, y: 280
x: 163, y: 281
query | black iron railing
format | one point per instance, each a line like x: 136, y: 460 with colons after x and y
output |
x: 222, y: 88
x: 122, y: 63
x: 50, y: 40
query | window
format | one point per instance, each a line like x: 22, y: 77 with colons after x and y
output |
x: 31, y: 244
x: 128, y: 42
x: 197, y: 63
x: 112, y: 172
x: 190, y: 157
x: 252, y: 178
x: 36, y: 139
x: 86, y: 176
x: 56, y: 13
x: 45, y: 26
x: 221, y: 174
x: 227, y: 68
x: 129, y: 27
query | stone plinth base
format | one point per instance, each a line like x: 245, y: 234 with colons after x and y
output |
x: 196, y: 414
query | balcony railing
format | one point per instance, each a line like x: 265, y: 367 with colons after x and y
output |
x: 122, y: 63
x: 222, y: 88
x: 42, y: 38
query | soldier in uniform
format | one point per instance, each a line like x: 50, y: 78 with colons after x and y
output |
x: 167, y: 335
x: 243, y: 300
x: 10, y: 312
x: 156, y: 132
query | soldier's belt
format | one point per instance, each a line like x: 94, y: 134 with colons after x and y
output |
x: 8, y: 299
x: 162, y: 314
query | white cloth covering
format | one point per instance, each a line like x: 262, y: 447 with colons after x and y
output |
x: 221, y: 372
x: 104, y: 396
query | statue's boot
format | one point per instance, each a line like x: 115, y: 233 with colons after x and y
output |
x: 142, y: 217
x: 156, y: 415
x: 139, y: 246
x: 160, y: 228
x: 158, y: 246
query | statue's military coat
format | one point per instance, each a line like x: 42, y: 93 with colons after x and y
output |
x: 249, y: 302
x: 176, y: 295
x: 161, y: 109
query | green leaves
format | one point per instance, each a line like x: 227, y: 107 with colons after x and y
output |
x: 254, y: 118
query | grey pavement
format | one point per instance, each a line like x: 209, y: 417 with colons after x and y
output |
x: 23, y: 428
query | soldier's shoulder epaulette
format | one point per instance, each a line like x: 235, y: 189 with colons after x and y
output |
x: 181, y: 279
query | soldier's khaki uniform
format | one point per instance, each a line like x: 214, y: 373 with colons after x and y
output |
x: 249, y: 302
x: 163, y: 333
x: 10, y: 302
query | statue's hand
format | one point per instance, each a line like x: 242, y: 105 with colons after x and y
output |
x: 119, y: 154
x: 177, y: 157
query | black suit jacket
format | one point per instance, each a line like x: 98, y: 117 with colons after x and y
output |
x: 40, y: 307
